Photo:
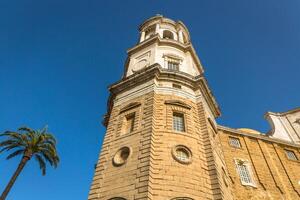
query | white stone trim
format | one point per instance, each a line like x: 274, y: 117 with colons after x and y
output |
x: 241, y: 162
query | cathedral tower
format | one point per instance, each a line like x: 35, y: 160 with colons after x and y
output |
x: 161, y: 141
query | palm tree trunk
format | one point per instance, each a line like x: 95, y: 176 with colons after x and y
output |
x: 14, y: 177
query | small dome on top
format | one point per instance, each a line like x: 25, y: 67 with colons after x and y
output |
x: 164, y: 27
x: 248, y: 130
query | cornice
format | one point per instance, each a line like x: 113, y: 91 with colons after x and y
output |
x: 160, y: 41
x: 148, y: 21
x: 130, y: 106
x: 138, y: 77
x: 161, y: 19
x: 209, y: 96
x: 283, y: 113
x: 157, y: 72
x: 261, y: 137
x: 178, y: 103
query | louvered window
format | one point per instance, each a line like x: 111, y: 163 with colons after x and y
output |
x: 173, y: 65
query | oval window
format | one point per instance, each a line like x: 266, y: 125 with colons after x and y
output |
x: 121, y: 156
x: 182, y: 154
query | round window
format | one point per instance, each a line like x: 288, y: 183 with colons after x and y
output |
x: 121, y: 156
x: 182, y: 154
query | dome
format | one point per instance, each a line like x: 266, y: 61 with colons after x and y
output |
x: 164, y: 27
x: 248, y: 130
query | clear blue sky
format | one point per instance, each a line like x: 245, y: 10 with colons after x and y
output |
x: 58, y: 57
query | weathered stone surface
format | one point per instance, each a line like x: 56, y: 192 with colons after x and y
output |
x: 152, y: 171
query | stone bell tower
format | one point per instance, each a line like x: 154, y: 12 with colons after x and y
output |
x: 161, y: 141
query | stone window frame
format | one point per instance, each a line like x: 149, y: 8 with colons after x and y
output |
x: 232, y: 138
x: 185, y: 148
x: 183, y: 125
x: 185, y: 120
x: 292, y: 152
x: 117, y: 198
x: 128, y: 110
x: 145, y: 57
x: 129, y: 120
x: 116, y: 160
x: 177, y: 106
x: 174, y: 59
x: 247, y: 164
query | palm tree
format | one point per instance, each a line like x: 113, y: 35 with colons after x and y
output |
x: 29, y: 143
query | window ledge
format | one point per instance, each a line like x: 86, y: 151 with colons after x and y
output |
x: 249, y: 185
x: 297, y: 161
x: 179, y: 132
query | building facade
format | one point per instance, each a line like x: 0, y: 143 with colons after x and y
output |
x: 163, y: 143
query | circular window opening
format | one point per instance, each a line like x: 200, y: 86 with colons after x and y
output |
x: 121, y: 156
x: 182, y: 154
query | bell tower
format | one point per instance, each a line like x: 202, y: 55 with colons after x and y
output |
x: 161, y: 140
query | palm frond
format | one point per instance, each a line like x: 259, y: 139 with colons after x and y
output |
x: 42, y: 163
x: 13, y: 136
x: 38, y: 143
x: 10, y: 147
x: 25, y: 129
x: 7, y: 133
x: 16, y: 153
x: 44, y: 130
x: 7, y: 142
x: 50, y: 157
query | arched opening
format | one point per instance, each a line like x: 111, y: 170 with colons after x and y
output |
x: 150, y: 32
x: 168, y: 35
x: 182, y: 198
x: 117, y: 198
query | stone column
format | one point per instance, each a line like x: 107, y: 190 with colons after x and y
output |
x: 180, y: 36
x: 142, y: 38
x: 157, y: 28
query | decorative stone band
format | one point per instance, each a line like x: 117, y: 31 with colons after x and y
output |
x: 178, y: 103
x: 130, y: 106
x: 261, y: 136
x: 155, y: 71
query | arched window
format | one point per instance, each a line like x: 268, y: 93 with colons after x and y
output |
x: 182, y: 198
x: 168, y: 35
x: 150, y: 32
x: 117, y: 198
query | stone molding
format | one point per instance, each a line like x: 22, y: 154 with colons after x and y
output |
x: 178, y: 103
x: 160, y: 41
x: 130, y: 106
x: 262, y: 137
x: 156, y: 71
